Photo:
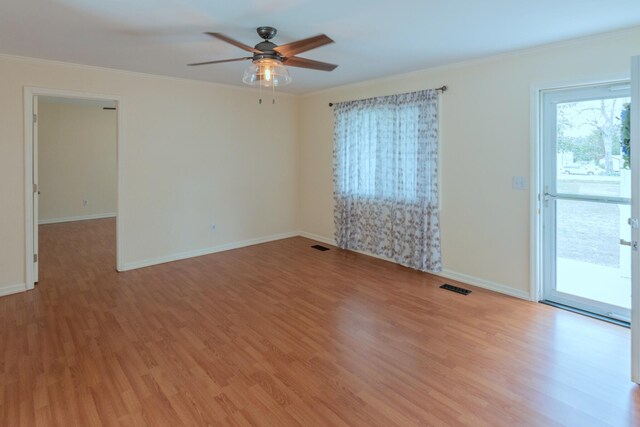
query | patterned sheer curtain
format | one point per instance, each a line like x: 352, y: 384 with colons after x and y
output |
x: 385, y: 163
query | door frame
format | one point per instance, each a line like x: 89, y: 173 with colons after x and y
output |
x: 29, y: 94
x: 549, y: 98
x: 635, y: 213
x: 536, y: 168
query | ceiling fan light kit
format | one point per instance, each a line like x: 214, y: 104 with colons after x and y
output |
x: 266, y: 73
x: 269, y: 62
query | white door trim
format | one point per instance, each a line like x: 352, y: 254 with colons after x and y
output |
x: 29, y: 93
x: 535, y: 186
x: 35, y: 195
x: 635, y: 213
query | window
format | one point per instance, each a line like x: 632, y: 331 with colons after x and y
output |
x: 386, y: 177
x: 383, y: 153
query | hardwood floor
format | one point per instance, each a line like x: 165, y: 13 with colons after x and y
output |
x: 282, y: 334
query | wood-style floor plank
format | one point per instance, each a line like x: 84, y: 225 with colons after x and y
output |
x: 282, y: 334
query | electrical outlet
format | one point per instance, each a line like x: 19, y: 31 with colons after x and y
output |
x: 213, y: 228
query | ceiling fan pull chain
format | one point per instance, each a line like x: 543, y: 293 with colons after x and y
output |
x: 260, y: 86
x: 273, y: 93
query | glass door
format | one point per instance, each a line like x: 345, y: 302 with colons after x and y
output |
x: 587, y: 199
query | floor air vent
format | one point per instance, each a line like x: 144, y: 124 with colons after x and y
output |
x: 320, y: 248
x: 456, y: 289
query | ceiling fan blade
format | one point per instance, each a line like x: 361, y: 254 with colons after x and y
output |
x: 236, y: 43
x: 220, y: 61
x: 294, y: 61
x: 294, y: 48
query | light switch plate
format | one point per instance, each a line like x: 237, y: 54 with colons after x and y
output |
x: 518, y: 183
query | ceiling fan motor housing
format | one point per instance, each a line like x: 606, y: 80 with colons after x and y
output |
x: 266, y: 47
x: 267, y: 33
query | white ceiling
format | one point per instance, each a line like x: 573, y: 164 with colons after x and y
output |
x: 373, y: 38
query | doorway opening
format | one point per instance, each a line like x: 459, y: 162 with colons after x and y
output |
x: 586, y: 205
x: 73, y: 176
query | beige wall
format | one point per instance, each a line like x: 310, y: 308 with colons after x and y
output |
x: 485, y: 140
x: 76, y: 161
x: 190, y: 156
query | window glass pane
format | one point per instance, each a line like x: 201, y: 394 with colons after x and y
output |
x: 593, y: 256
x: 590, y: 159
x: 384, y: 153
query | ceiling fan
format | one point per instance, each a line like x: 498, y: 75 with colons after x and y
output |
x: 268, y: 58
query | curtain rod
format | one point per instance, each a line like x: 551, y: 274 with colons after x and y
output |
x: 441, y: 89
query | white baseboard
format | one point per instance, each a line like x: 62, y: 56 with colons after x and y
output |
x: 448, y: 274
x: 321, y: 239
x: 486, y: 284
x: 206, y: 251
x: 330, y: 241
x: 76, y: 218
x: 12, y: 289
x: 474, y: 281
